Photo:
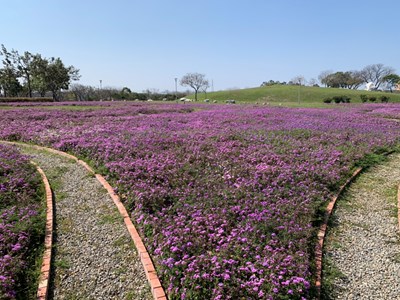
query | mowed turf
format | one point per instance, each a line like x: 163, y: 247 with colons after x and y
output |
x: 286, y: 95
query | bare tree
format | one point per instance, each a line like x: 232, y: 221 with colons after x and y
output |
x: 375, y: 74
x: 323, y: 76
x: 83, y: 92
x: 204, y: 90
x: 299, y: 80
x: 355, y: 80
x: 312, y: 82
x: 196, y: 81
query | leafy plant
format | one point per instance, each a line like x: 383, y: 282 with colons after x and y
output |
x: 364, y: 98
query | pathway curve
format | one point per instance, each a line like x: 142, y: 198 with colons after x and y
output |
x: 363, y: 244
x: 94, y: 256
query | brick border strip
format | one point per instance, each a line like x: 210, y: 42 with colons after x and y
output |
x: 151, y: 274
x: 43, y: 288
x: 322, y: 231
x: 398, y: 205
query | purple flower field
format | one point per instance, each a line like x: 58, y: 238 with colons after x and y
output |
x: 19, y: 210
x: 225, y: 197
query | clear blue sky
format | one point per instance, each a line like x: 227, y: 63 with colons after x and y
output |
x: 147, y: 43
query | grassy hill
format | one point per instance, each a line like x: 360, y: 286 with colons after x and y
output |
x: 287, y: 95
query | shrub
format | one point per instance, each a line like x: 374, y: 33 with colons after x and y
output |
x: 372, y: 98
x: 364, y: 98
x: 337, y: 99
x: 384, y: 99
x: 25, y: 99
x: 341, y: 99
x: 328, y: 100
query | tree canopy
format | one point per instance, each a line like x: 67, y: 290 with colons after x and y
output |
x: 391, y: 80
x: 26, y: 73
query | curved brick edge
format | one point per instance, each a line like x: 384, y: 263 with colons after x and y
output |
x: 151, y: 274
x: 43, y: 288
x: 398, y: 205
x: 322, y: 232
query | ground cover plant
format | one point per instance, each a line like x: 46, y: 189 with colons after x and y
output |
x: 21, y: 223
x: 225, y: 196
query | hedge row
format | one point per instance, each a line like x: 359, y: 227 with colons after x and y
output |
x: 364, y: 98
x: 383, y: 99
x: 26, y: 99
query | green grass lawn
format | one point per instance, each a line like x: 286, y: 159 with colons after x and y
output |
x: 293, y: 96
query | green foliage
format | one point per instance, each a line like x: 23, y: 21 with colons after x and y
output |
x: 364, y: 98
x: 338, y: 99
x: 348, y: 80
x: 372, y: 159
x: 56, y: 76
x: 272, y: 82
x: 384, y: 99
x: 341, y: 99
x: 36, y: 73
x: 9, y: 82
x: 391, y: 80
x: 372, y: 98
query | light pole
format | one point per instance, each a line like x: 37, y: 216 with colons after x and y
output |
x: 101, y: 83
x: 176, y: 88
x: 298, y: 94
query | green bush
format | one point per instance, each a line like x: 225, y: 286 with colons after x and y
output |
x: 328, y: 100
x: 337, y: 99
x: 364, y: 98
x: 341, y: 99
x: 384, y: 99
x: 372, y: 98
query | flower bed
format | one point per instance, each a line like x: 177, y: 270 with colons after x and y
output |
x: 225, y: 197
x: 20, y: 223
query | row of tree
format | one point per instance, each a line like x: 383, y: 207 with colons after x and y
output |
x: 28, y: 74
x: 80, y: 92
x: 377, y: 74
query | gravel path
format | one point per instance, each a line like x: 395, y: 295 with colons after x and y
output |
x: 364, y: 245
x: 94, y: 257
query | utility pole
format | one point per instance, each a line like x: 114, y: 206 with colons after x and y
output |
x: 298, y: 94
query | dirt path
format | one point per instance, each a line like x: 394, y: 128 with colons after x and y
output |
x: 363, y: 247
x: 94, y: 257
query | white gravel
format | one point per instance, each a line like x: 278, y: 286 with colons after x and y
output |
x: 94, y: 257
x: 365, y: 244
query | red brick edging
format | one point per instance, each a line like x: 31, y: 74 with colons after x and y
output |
x: 43, y: 288
x: 151, y: 274
x: 322, y: 232
x: 398, y: 205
